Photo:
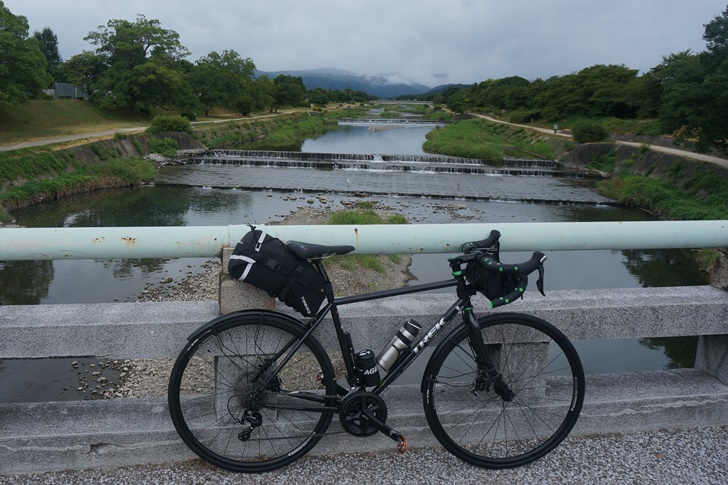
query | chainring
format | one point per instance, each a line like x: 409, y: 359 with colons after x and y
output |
x: 353, y: 417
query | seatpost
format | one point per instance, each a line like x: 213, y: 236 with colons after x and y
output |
x: 328, y: 287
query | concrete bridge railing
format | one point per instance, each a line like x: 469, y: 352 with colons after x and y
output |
x: 115, y: 432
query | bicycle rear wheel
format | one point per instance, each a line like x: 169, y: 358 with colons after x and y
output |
x: 472, y: 421
x: 230, y: 407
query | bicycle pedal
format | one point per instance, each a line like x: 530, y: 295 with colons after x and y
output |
x: 402, y: 445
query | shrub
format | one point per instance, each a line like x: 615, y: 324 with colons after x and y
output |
x: 164, y: 146
x: 524, y: 116
x: 245, y: 105
x: 586, y: 131
x: 137, y: 144
x: 170, y: 123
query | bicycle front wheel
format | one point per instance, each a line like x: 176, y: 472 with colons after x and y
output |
x: 479, y: 423
x: 234, y: 410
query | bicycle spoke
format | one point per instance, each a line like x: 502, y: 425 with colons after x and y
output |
x: 233, y: 409
x: 482, y: 427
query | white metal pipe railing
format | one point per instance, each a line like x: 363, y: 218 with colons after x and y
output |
x: 207, y: 241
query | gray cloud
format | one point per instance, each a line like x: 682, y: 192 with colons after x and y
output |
x: 428, y: 41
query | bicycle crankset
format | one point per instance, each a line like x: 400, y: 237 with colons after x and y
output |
x: 364, y: 413
x: 358, y: 412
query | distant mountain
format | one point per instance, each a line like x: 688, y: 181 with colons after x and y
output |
x: 443, y: 87
x: 430, y: 95
x: 383, y: 86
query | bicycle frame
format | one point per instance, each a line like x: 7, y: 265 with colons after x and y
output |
x: 461, y: 304
x: 527, y: 407
x: 487, y: 371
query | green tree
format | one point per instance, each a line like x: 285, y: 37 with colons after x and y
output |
x: 716, y: 37
x: 603, y: 89
x: 558, y: 97
x: 595, y: 91
x: 262, y: 92
x: 244, y: 104
x: 460, y: 101
x: 695, y: 90
x: 220, y: 80
x: 144, y: 66
x: 48, y: 42
x: 318, y: 96
x: 22, y: 65
x: 587, y: 131
x: 645, y: 94
x: 84, y: 69
x: 508, y: 93
x: 289, y: 91
x: 681, y: 79
x: 713, y: 127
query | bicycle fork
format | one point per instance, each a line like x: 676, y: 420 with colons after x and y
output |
x: 487, y: 373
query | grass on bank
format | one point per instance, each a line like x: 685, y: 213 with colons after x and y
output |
x: 682, y: 189
x: 363, y: 214
x: 285, y: 132
x: 42, y: 119
x: 84, y: 178
x: 695, y: 194
x: 478, y: 138
x: 40, y: 173
x: 704, y: 198
x: 650, y: 127
x: 62, y: 117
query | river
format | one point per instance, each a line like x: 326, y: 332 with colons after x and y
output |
x: 220, y: 193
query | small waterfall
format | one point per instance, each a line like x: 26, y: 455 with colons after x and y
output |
x: 394, y: 163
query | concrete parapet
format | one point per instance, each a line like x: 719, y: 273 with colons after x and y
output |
x: 95, y: 434
x: 92, y: 434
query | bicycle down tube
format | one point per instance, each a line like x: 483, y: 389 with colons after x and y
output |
x: 344, y: 344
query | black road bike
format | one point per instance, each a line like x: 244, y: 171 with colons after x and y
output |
x: 253, y: 390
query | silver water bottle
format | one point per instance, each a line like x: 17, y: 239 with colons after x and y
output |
x: 399, y: 345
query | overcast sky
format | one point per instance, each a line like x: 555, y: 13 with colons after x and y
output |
x: 425, y: 41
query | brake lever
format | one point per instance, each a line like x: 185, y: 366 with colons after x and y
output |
x: 539, y: 282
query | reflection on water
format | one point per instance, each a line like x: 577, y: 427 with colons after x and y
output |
x: 24, y: 282
x: 680, y: 351
x: 358, y: 139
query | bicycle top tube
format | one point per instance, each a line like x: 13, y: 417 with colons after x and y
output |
x: 376, y: 295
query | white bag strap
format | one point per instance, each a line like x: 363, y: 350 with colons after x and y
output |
x: 260, y: 241
x: 250, y: 264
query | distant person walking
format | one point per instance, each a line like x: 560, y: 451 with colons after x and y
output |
x: 556, y: 128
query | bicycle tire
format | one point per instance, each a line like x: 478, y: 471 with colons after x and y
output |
x: 213, y: 399
x: 480, y: 427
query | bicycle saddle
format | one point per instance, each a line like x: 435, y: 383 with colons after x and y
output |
x: 311, y: 251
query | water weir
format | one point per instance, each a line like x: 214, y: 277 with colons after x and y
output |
x: 395, y: 163
x: 363, y: 175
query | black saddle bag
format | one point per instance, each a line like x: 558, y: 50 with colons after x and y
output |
x: 266, y: 263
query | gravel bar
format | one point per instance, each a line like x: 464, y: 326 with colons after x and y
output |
x: 674, y: 456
